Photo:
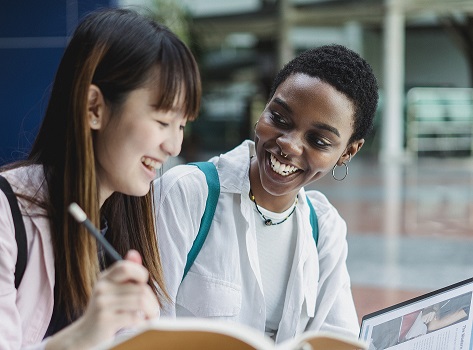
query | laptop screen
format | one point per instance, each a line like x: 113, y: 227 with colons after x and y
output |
x: 437, y: 320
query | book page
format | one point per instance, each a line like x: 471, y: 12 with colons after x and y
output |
x: 441, y: 321
x: 193, y: 333
x: 190, y: 333
x: 314, y: 340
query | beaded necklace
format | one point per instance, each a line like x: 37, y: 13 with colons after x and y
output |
x: 268, y: 221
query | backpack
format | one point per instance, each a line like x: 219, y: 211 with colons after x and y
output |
x: 20, y: 232
x: 213, y: 183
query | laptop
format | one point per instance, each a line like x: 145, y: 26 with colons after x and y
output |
x: 439, y: 320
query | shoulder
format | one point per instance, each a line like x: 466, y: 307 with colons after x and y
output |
x: 321, y: 204
x: 184, y: 180
x: 332, y: 227
x: 181, y: 174
x: 8, y: 245
x: 28, y: 182
x: 233, y: 167
x: 30, y: 189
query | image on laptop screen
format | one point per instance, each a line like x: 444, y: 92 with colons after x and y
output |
x: 437, y: 320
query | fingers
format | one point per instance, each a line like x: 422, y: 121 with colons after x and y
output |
x: 129, y: 297
x: 126, y: 271
x: 123, y: 288
x: 121, y: 298
x: 134, y: 256
x: 115, y: 305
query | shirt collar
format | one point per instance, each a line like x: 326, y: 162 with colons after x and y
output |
x: 234, y: 167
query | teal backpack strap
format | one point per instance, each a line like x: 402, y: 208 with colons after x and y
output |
x: 313, y: 222
x: 213, y: 183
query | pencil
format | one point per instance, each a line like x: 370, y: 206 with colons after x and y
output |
x: 81, y: 218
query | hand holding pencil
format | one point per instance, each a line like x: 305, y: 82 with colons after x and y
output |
x: 121, y: 297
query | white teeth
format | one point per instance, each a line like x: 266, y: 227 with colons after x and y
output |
x: 282, y: 169
x: 150, y: 163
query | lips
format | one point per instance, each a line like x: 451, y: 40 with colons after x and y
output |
x: 151, y: 164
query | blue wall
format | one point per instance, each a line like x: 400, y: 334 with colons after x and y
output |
x: 33, y: 35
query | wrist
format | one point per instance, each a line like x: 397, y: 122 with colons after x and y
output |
x: 70, y: 338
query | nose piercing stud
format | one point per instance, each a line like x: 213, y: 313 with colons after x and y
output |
x: 283, y: 154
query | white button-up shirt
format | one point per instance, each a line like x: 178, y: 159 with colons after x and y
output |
x: 225, y: 280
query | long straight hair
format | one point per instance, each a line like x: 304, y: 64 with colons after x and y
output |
x: 119, y: 51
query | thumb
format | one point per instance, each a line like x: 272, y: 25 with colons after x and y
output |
x: 134, y: 256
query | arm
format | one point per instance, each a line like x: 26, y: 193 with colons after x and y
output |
x: 121, y: 299
x: 446, y: 320
x: 341, y: 316
x: 180, y: 196
x: 10, y: 327
x: 335, y: 308
x: 119, y: 293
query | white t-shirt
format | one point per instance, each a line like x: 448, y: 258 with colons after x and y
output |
x: 276, y: 247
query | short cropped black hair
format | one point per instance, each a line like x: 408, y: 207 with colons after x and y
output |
x: 347, y: 72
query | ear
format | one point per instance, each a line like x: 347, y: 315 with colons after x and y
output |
x: 350, y: 151
x: 95, y: 107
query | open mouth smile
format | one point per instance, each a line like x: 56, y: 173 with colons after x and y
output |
x: 281, y: 169
x: 151, y: 164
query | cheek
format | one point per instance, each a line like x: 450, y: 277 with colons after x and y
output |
x: 264, y: 129
x: 104, y: 145
x: 145, y: 133
x: 321, y: 162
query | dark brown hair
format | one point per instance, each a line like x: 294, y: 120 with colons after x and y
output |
x: 119, y: 51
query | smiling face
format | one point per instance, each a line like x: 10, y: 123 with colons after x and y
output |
x: 311, y: 123
x: 131, y: 145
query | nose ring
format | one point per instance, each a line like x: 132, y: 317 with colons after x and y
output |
x: 283, y: 154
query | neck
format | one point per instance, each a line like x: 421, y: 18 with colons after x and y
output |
x: 103, y: 196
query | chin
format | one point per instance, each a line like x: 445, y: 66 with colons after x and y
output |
x: 143, y: 193
x: 140, y: 192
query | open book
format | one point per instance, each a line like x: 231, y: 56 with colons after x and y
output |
x: 437, y: 320
x: 193, y: 333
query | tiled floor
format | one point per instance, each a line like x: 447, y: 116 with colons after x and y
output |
x: 410, y: 227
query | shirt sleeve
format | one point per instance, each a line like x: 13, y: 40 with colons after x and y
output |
x: 180, y: 197
x: 335, y: 309
x: 10, y: 327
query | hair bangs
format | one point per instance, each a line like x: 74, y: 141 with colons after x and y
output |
x: 177, y: 80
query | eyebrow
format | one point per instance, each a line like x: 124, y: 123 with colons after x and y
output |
x: 327, y: 127
x: 317, y: 125
x: 282, y: 104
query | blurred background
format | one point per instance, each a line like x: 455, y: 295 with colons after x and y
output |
x: 408, y: 198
